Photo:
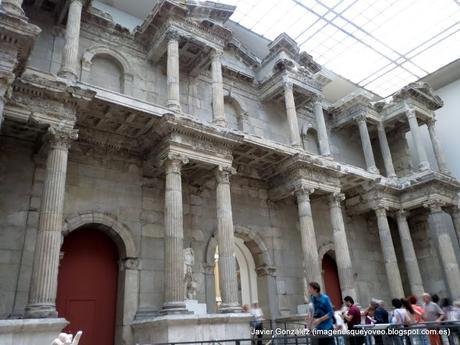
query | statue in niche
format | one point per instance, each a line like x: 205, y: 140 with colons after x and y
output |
x: 190, y: 283
x: 67, y: 339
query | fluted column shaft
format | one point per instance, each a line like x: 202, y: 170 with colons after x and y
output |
x: 385, y: 149
x: 13, y: 7
x: 43, y: 289
x: 417, y: 140
x: 311, y: 263
x: 226, y: 242
x: 217, y: 89
x: 342, y: 252
x: 172, y: 71
x: 446, y: 249
x: 455, y: 214
x: 174, y: 288
x: 438, y: 153
x: 324, y: 148
x: 366, y: 144
x: 389, y: 254
x: 410, y: 258
x: 69, y: 64
x: 291, y: 113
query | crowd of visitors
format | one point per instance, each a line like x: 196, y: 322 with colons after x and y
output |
x: 405, y: 312
x: 323, y: 316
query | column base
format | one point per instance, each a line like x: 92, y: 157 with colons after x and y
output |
x: 40, y: 311
x: 171, y: 308
x: 373, y: 170
x: 220, y: 122
x: 327, y: 156
x: 174, y: 106
x: 423, y: 166
x: 230, y: 308
x: 13, y: 10
x: 66, y: 73
x: 297, y: 146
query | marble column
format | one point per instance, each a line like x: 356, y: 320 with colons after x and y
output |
x: 13, y: 7
x: 291, y: 113
x: 226, y: 242
x: 410, y: 259
x: 385, y: 149
x: 174, y: 288
x: 69, y: 64
x: 450, y: 265
x: 324, y: 148
x: 342, y: 252
x: 366, y: 144
x: 311, y: 264
x: 439, y: 155
x: 172, y: 70
x: 217, y: 89
x: 454, y: 212
x: 43, y: 289
x: 417, y: 140
x: 389, y: 254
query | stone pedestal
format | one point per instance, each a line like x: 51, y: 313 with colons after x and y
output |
x: 410, y: 259
x: 385, y: 149
x: 226, y: 242
x: 194, y: 307
x: 342, y: 252
x: 174, y: 289
x: 389, y: 255
x: 323, y: 139
x: 417, y: 140
x: 178, y: 328
x: 311, y: 264
x: 30, y: 332
x: 43, y: 290
x: 69, y: 64
x: 366, y: 144
x: 291, y: 113
x: 217, y: 89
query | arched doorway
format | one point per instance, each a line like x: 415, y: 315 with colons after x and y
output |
x: 246, y: 274
x: 87, y: 285
x: 331, y: 279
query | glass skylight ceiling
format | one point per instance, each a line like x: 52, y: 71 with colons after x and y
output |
x: 381, y: 45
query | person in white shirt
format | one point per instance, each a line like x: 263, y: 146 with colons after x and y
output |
x: 258, y: 315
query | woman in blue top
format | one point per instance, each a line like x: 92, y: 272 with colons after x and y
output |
x: 323, y: 312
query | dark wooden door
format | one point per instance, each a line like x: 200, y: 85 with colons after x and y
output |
x: 331, y: 281
x: 87, y: 286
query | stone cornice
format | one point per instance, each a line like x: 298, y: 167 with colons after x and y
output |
x: 19, y: 35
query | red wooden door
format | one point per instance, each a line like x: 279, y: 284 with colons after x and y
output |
x: 87, y: 286
x: 331, y: 281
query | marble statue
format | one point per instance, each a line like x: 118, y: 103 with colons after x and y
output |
x: 67, y: 339
x: 191, y: 285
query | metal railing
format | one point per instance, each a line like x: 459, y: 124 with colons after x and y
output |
x: 272, y: 332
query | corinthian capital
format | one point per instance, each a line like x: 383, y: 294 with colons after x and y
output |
x: 336, y: 198
x: 435, y: 205
x: 216, y: 54
x: 317, y: 99
x: 172, y: 34
x: 61, y: 137
x: 173, y: 163
x: 223, y: 173
x: 303, y: 192
x: 361, y: 117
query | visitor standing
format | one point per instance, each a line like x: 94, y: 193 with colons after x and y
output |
x: 353, y: 318
x: 433, y: 313
x: 323, y: 314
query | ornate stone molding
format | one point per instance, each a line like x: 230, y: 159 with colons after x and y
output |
x: 264, y: 270
x: 131, y: 264
x: 336, y: 198
x: 434, y: 205
x: 303, y: 192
